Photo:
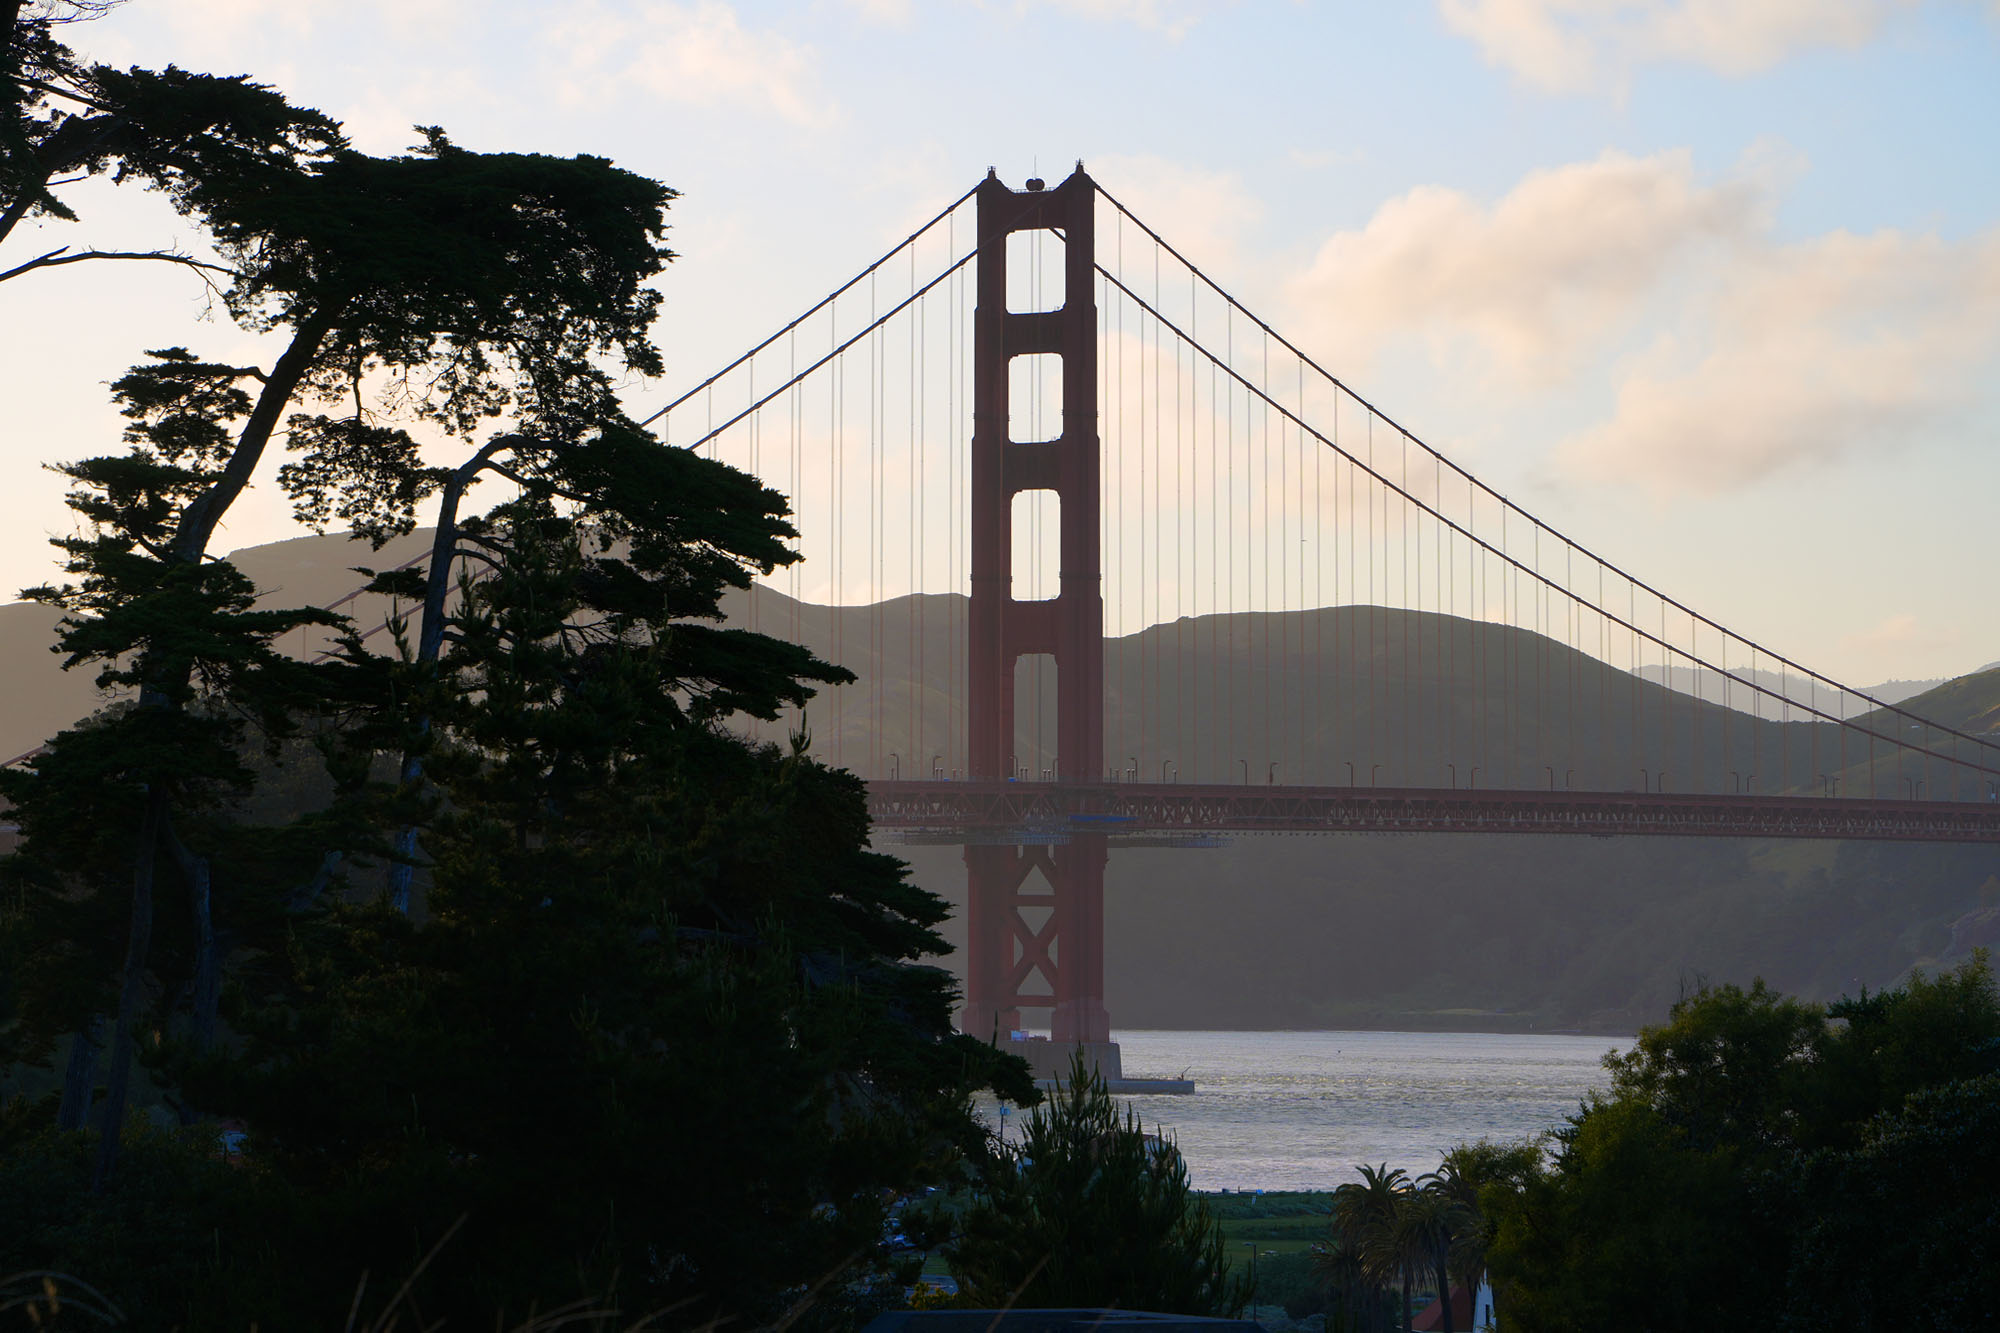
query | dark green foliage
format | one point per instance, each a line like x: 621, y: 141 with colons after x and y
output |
x: 221, y: 692
x: 660, y: 1027
x: 465, y: 284
x: 195, y: 136
x: 1089, y: 1210
x: 1469, y: 1174
x: 1761, y: 1134
x: 171, y: 1244
x: 1902, y: 1230
x: 654, y: 965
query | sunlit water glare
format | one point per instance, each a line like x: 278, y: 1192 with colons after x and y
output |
x: 1299, y: 1110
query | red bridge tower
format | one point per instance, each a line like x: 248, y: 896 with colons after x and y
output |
x: 1006, y: 953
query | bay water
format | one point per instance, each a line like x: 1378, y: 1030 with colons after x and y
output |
x: 1300, y: 1110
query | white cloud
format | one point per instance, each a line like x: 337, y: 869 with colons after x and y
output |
x: 1317, y: 159
x: 1579, y: 45
x: 699, y: 53
x: 1903, y: 640
x: 1534, y: 281
x: 1174, y: 18
x: 889, y: 13
x: 1813, y: 351
x: 1726, y: 354
x: 1171, y: 17
x: 1206, y: 215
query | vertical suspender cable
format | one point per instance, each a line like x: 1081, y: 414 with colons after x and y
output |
x: 1229, y: 515
x: 1406, y: 710
x: 915, y: 621
x: 1178, y: 751
x: 1118, y: 400
x: 1264, y: 542
x: 872, y: 536
x: 836, y: 422
x: 1373, y: 646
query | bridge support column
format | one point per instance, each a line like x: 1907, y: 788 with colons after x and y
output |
x: 1079, y: 909
x: 992, y: 880
x: 1004, y: 949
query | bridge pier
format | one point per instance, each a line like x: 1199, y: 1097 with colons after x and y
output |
x: 1079, y: 1015
x: 1066, y: 947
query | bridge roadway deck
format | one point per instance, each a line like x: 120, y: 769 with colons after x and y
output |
x: 1044, y: 812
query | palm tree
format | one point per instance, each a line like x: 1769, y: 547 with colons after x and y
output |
x: 1466, y: 1171
x: 1364, y: 1213
x: 1428, y: 1223
x: 1338, y: 1269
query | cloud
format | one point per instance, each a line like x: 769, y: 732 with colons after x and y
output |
x: 1703, y: 352
x: 699, y: 53
x: 888, y: 13
x: 1316, y: 159
x: 1814, y: 351
x: 1536, y: 280
x: 1901, y: 638
x: 1174, y: 18
x: 1204, y: 214
x: 1582, y: 45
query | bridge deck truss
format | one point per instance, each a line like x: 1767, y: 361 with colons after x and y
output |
x: 1023, y: 813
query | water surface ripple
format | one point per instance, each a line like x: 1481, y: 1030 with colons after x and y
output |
x: 1298, y: 1110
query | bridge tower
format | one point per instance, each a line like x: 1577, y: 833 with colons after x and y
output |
x: 1066, y: 951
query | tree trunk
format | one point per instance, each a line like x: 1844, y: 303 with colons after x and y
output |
x: 131, y: 990
x: 430, y: 641
x: 80, y: 1078
x: 1407, y: 1296
x: 205, y: 512
x: 306, y: 894
x: 1444, y: 1295
x: 207, y: 971
x: 8, y: 29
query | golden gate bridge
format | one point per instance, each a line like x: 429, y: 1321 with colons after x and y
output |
x: 1117, y: 564
x: 1316, y: 622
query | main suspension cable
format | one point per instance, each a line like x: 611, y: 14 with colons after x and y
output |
x: 1785, y: 662
x: 1535, y: 575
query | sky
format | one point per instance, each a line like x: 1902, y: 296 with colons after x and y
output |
x: 1712, y: 286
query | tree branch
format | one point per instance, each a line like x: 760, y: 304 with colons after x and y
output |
x: 55, y: 257
x: 201, y: 517
x: 57, y: 90
x: 474, y: 553
x: 560, y: 492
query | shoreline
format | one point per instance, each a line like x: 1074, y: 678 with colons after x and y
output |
x: 1456, y: 1025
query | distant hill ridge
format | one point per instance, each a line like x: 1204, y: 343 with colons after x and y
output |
x: 1451, y: 932
x: 1416, y: 697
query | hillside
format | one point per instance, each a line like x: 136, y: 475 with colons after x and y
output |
x: 1350, y: 694
x: 42, y: 698
x: 1376, y: 930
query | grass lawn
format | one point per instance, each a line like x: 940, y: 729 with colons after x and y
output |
x: 1278, y: 1224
